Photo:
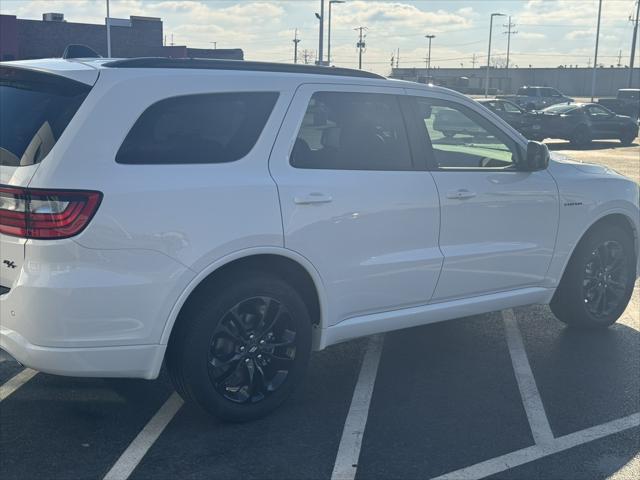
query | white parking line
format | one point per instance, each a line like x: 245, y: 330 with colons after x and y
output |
x: 136, y: 451
x: 536, y: 452
x: 538, y: 421
x: 15, y: 382
x: 349, y: 450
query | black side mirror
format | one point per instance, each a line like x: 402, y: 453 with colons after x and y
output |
x: 537, y: 157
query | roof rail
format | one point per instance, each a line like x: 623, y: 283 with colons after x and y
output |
x: 244, y: 65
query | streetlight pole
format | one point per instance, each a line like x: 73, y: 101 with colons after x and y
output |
x: 486, y: 87
x: 108, y: 32
x: 430, y: 37
x: 331, y: 2
x: 321, y: 33
x: 633, y: 44
x: 595, y: 60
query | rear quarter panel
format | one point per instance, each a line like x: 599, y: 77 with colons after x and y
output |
x: 189, y: 212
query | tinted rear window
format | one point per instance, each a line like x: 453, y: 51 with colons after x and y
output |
x: 35, y: 109
x: 206, y: 128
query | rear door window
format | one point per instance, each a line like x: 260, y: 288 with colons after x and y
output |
x: 203, y: 128
x: 352, y: 131
x: 35, y: 109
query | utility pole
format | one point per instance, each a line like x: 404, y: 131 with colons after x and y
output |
x: 361, y: 45
x: 429, y: 37
x: 296, y: 41
x: 595, y: 59
x: 215, y: 45
x: 398, y: 59
x: 633, y: 43
x: 486, y: 87
x: 474, y: 61
x: 509, y: 32
x: 108, y: 32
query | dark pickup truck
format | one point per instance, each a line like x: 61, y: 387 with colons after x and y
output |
x: 626, y: 103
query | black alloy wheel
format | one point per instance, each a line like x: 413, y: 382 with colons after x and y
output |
x: 252, y: 350
x: 241, y: 346
x: 599, y: 280
x: 604, y: 281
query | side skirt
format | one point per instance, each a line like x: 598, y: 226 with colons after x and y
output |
x: 435, y: 312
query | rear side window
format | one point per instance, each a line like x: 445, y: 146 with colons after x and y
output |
x: 352, y: 131
x: 204, y: 128
x: 35, y: 108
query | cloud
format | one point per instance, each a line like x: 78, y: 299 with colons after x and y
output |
x: 531, y: 35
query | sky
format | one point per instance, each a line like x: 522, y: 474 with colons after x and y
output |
x: 549, y: 32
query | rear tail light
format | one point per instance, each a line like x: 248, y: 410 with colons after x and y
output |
x: 46, y: 214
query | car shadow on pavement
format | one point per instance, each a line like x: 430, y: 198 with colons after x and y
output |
x: 595, y: 145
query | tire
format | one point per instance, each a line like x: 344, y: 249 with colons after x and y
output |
x: 222, y: 342
x: 576, y: 301
x: 627, y: 139
x: 581, y: 136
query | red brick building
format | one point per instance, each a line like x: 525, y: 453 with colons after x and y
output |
x: 134, y: 37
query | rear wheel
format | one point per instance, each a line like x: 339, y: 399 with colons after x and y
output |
x: 240, y: 352
x: 599, y: 280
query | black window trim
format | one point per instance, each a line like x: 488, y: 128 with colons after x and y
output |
x: 278, y: 94
x: 427, y: 147
x: 405, y: 114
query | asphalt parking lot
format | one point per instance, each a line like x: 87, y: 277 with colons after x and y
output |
x: 509, y: 395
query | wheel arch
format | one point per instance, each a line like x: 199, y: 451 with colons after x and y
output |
x: 621, y: 219
x: 282, y: 261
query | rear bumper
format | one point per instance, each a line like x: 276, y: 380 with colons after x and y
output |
x: 83, y: 312
x: 139, y: 361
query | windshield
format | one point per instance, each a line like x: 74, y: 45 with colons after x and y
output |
x: 35, y: 109
x: 560, y: 108
x: 629, y: 94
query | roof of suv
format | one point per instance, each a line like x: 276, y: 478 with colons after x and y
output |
x: 236, y: 65
x: 86, y: 70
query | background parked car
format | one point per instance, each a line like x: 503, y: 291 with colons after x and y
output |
x: 451, y: 122
x: 582, y: 122
x: 527, y: 123
x: 627, y: 102
x: 536, y: 98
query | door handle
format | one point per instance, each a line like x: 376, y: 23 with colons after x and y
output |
x: 311, y: 198
x: 461, y: 195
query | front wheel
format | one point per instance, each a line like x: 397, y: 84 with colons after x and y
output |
x: 627, y: 139
x: 240, y: 350
x: 597, y: 285
x: 581, y: 137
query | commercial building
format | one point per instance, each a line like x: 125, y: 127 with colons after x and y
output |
x: 133, y: 37
x: 571, y: 81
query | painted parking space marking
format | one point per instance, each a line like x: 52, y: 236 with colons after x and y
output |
x: 346, y: 463
x: 131, y: 457
x: 531, y: 399
x: 16, y: 382
x: 536, y: 452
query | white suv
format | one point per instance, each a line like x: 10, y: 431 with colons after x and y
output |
x: 229, y: 217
